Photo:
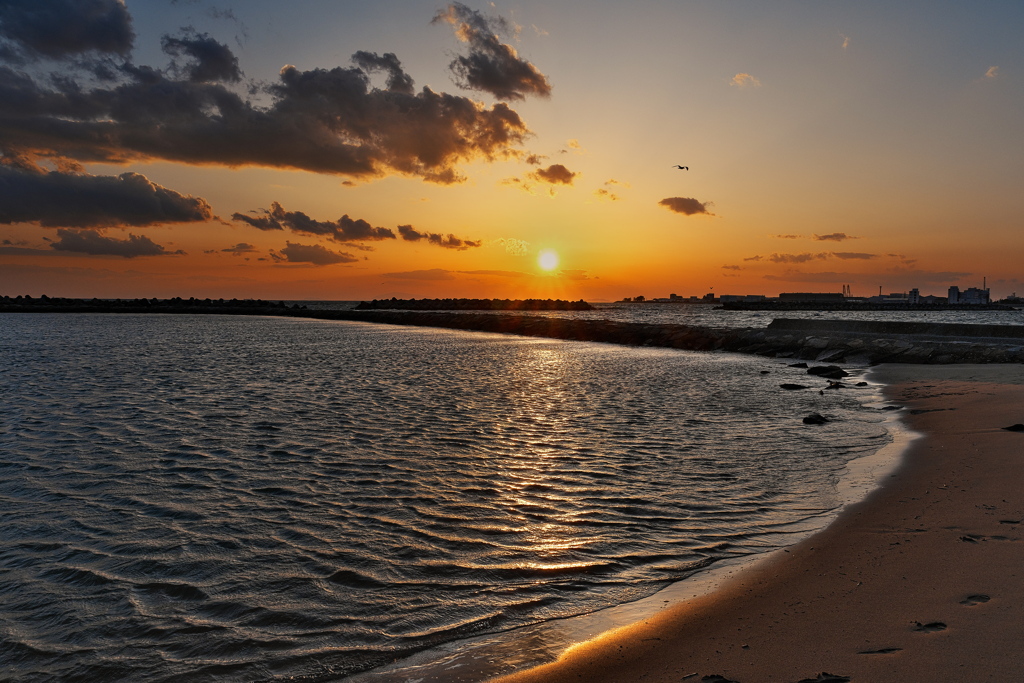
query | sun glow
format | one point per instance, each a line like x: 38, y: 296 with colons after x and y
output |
x: 548, y: 260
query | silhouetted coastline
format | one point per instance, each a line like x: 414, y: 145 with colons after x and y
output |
x: 475, y: 305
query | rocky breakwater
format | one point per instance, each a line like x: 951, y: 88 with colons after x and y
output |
x: 828, y: 341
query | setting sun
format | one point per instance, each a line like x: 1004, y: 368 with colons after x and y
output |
x: 548, y: 260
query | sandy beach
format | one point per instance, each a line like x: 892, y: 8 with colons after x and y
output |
x: 921, y: 581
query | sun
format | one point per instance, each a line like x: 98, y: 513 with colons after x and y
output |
x: 548, y: 260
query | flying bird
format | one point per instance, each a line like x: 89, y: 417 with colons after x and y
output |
x: 685, y: 168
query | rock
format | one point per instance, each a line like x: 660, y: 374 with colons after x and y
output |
x: 816, y: 343
x: 831, y: 356
x: 828, y: 371
x: 1015, y: 428
x: 798, y: 365
x: 815, y: 419
x: 861, y: 384
x: 836, y: 385
x: 792, y: 387
x: 766, y: 372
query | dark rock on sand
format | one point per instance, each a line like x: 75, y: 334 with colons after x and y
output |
x: 798, y: 365
x: 792, y: 387
x: 815, y: 419
x: 828, y: 371
x: 1015, y: 428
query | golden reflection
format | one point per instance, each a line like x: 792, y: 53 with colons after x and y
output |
x: 541, y: 447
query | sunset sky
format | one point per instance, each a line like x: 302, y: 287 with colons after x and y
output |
x: 325, y: 149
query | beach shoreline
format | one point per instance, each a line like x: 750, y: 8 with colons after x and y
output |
x: 917, y: 582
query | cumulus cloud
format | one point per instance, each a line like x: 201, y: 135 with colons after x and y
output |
x: 431, y: 274
x: 491, y: 65
x: 315, y: 254
x: 606, y: 192
x: 210, y: 61
x: 743, y: 80
x: 344, y: 229
x: 71, y: 200
x: 321, y: 120
x: 835, y: 237
x: 686, y: 206
x: 555, y: 174
x: 450, y: 241
x: 93, y: 243
x: 60, y: 28
x: 796, y: 258
x: 514, y: 246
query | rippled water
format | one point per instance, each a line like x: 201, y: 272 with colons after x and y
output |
x: 224, y: 499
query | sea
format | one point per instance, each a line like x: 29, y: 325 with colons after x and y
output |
x: 222, y: 498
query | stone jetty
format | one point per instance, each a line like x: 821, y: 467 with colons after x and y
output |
x: 823, y: 341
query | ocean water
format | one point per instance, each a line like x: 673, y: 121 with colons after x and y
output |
x: 218, y: 498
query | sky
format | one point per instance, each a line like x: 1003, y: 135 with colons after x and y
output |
x: 336, y: 150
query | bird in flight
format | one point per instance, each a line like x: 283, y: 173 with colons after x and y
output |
x: 685, y: 168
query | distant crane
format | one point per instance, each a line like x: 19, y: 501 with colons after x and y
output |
x: 684, y: 168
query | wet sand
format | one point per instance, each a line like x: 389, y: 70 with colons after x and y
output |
x: 921, y: 581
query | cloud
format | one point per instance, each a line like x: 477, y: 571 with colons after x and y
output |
x: 344, y: 229
x: 322, y: 120
x: 491, y: 66
x: 835, y: 237
x: 535, y: 159
x: 848, y: 255
x: 70, y: 200
x: 993, y: 72
x: 495, y: 273
x: 211, y: 61
x: 732, y: 268
x: 241, y: 248
x: 846, y: 40
x: 603, y: 193
x: 912, y: 277
x: 60, y: 28
x: 686, y: 206
x: 796, y: 258
x: 789, y: 237
x: 316, y: 254
x: 432, y: 274
x: 398, y: 81
x: 754, y: 258
x: 555, y: 174
x: 514, y: 246
x: 450, y: 241
x: 91, y: 242
x: 742, y: 80
x: 573, y: 274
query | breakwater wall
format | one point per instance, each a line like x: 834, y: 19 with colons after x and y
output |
x: 832, y: 341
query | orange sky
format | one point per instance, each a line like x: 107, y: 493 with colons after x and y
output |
x: 316, y: 151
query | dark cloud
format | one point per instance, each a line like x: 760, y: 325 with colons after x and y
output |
x: 322, y: 120
x: 491, y: 66
x: 555, y: 174
x: 398, y: 81
x: 602, y: 193
x: 54, y: 199
x: 535, y: 159
x: 911, y: 278
x: 315, y: 254
x: 409, y: 234
x: 847, y: 255
x: 796, y: 258
x: 686, y: 206
x: 835, y: 237
x: 789, y: 237
x: 732, y: 268
x: 92, y: 242
x: 344, y: 229
x: 241, y: 248
x: 431, y: 274
x: 210, y: 61
x: 62, y: 28
x: 754, y: 258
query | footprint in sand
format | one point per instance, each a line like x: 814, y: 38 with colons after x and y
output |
x: 972, y: 600
x: 930, y: 627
